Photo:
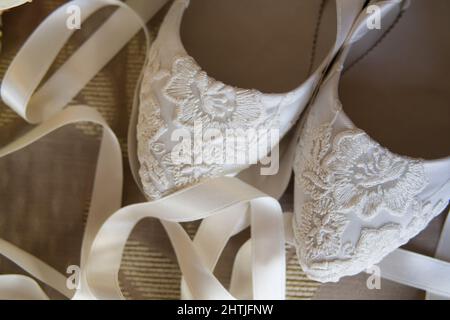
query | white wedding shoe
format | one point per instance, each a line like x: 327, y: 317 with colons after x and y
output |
x: 177, y: 94
x: 362, y: 188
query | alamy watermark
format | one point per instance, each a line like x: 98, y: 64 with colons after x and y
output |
x: 73, y: 21
x: 374, y: 280
x: 74, y: 279
x: 374, y: 19
x: 205, y: 145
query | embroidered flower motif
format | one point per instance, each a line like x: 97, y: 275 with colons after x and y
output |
x: 201, y: 98
x: 150, y: 126
x: 197, y: 99
x: 372, y: 246
x: 352, y: 173
x: 318, y: 226
x: 321, y: 229
x: 185, y: 174
x: 423, y: 213
x: 375, y: 243
x: 367, y: 177
x: 314, y: 144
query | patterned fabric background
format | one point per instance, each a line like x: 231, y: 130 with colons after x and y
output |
x: 45, y: 188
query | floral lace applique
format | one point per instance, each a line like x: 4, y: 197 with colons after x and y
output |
x: 149, y: 127
x: 321, y: 228
x: 367, y: 177
x: 353, y: 174
x: 424, y: 213
x: 198, y: 99
x: 153, y: 177
x: 310, y: 174
x: 201, y: 98
x: 192, y: 162
x: 373, y: 245
x: 185, y: 174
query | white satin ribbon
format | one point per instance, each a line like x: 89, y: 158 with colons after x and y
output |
x: 442, y: 253
x: 228, y: 193
x: 418, y: 271
x: 17, y: 287
x: 106, y: 197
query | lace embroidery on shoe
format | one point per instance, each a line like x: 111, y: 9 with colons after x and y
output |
x: 312, y: 176
x: 201, y: 98
x: 321, y: 228
x: 149, y: 127
x: 198, y: 99
x: 374, y: 244
x: 367, y: 177
x: 185, y: 174
x: 424, y: 213
x: 353, y: 174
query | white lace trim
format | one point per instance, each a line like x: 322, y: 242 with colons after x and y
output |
x: 201, y: 98
x: 197, y: 99
x: 353, y: 175
x: 367, y: 177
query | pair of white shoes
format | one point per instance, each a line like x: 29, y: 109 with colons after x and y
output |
x: 355, y: 201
